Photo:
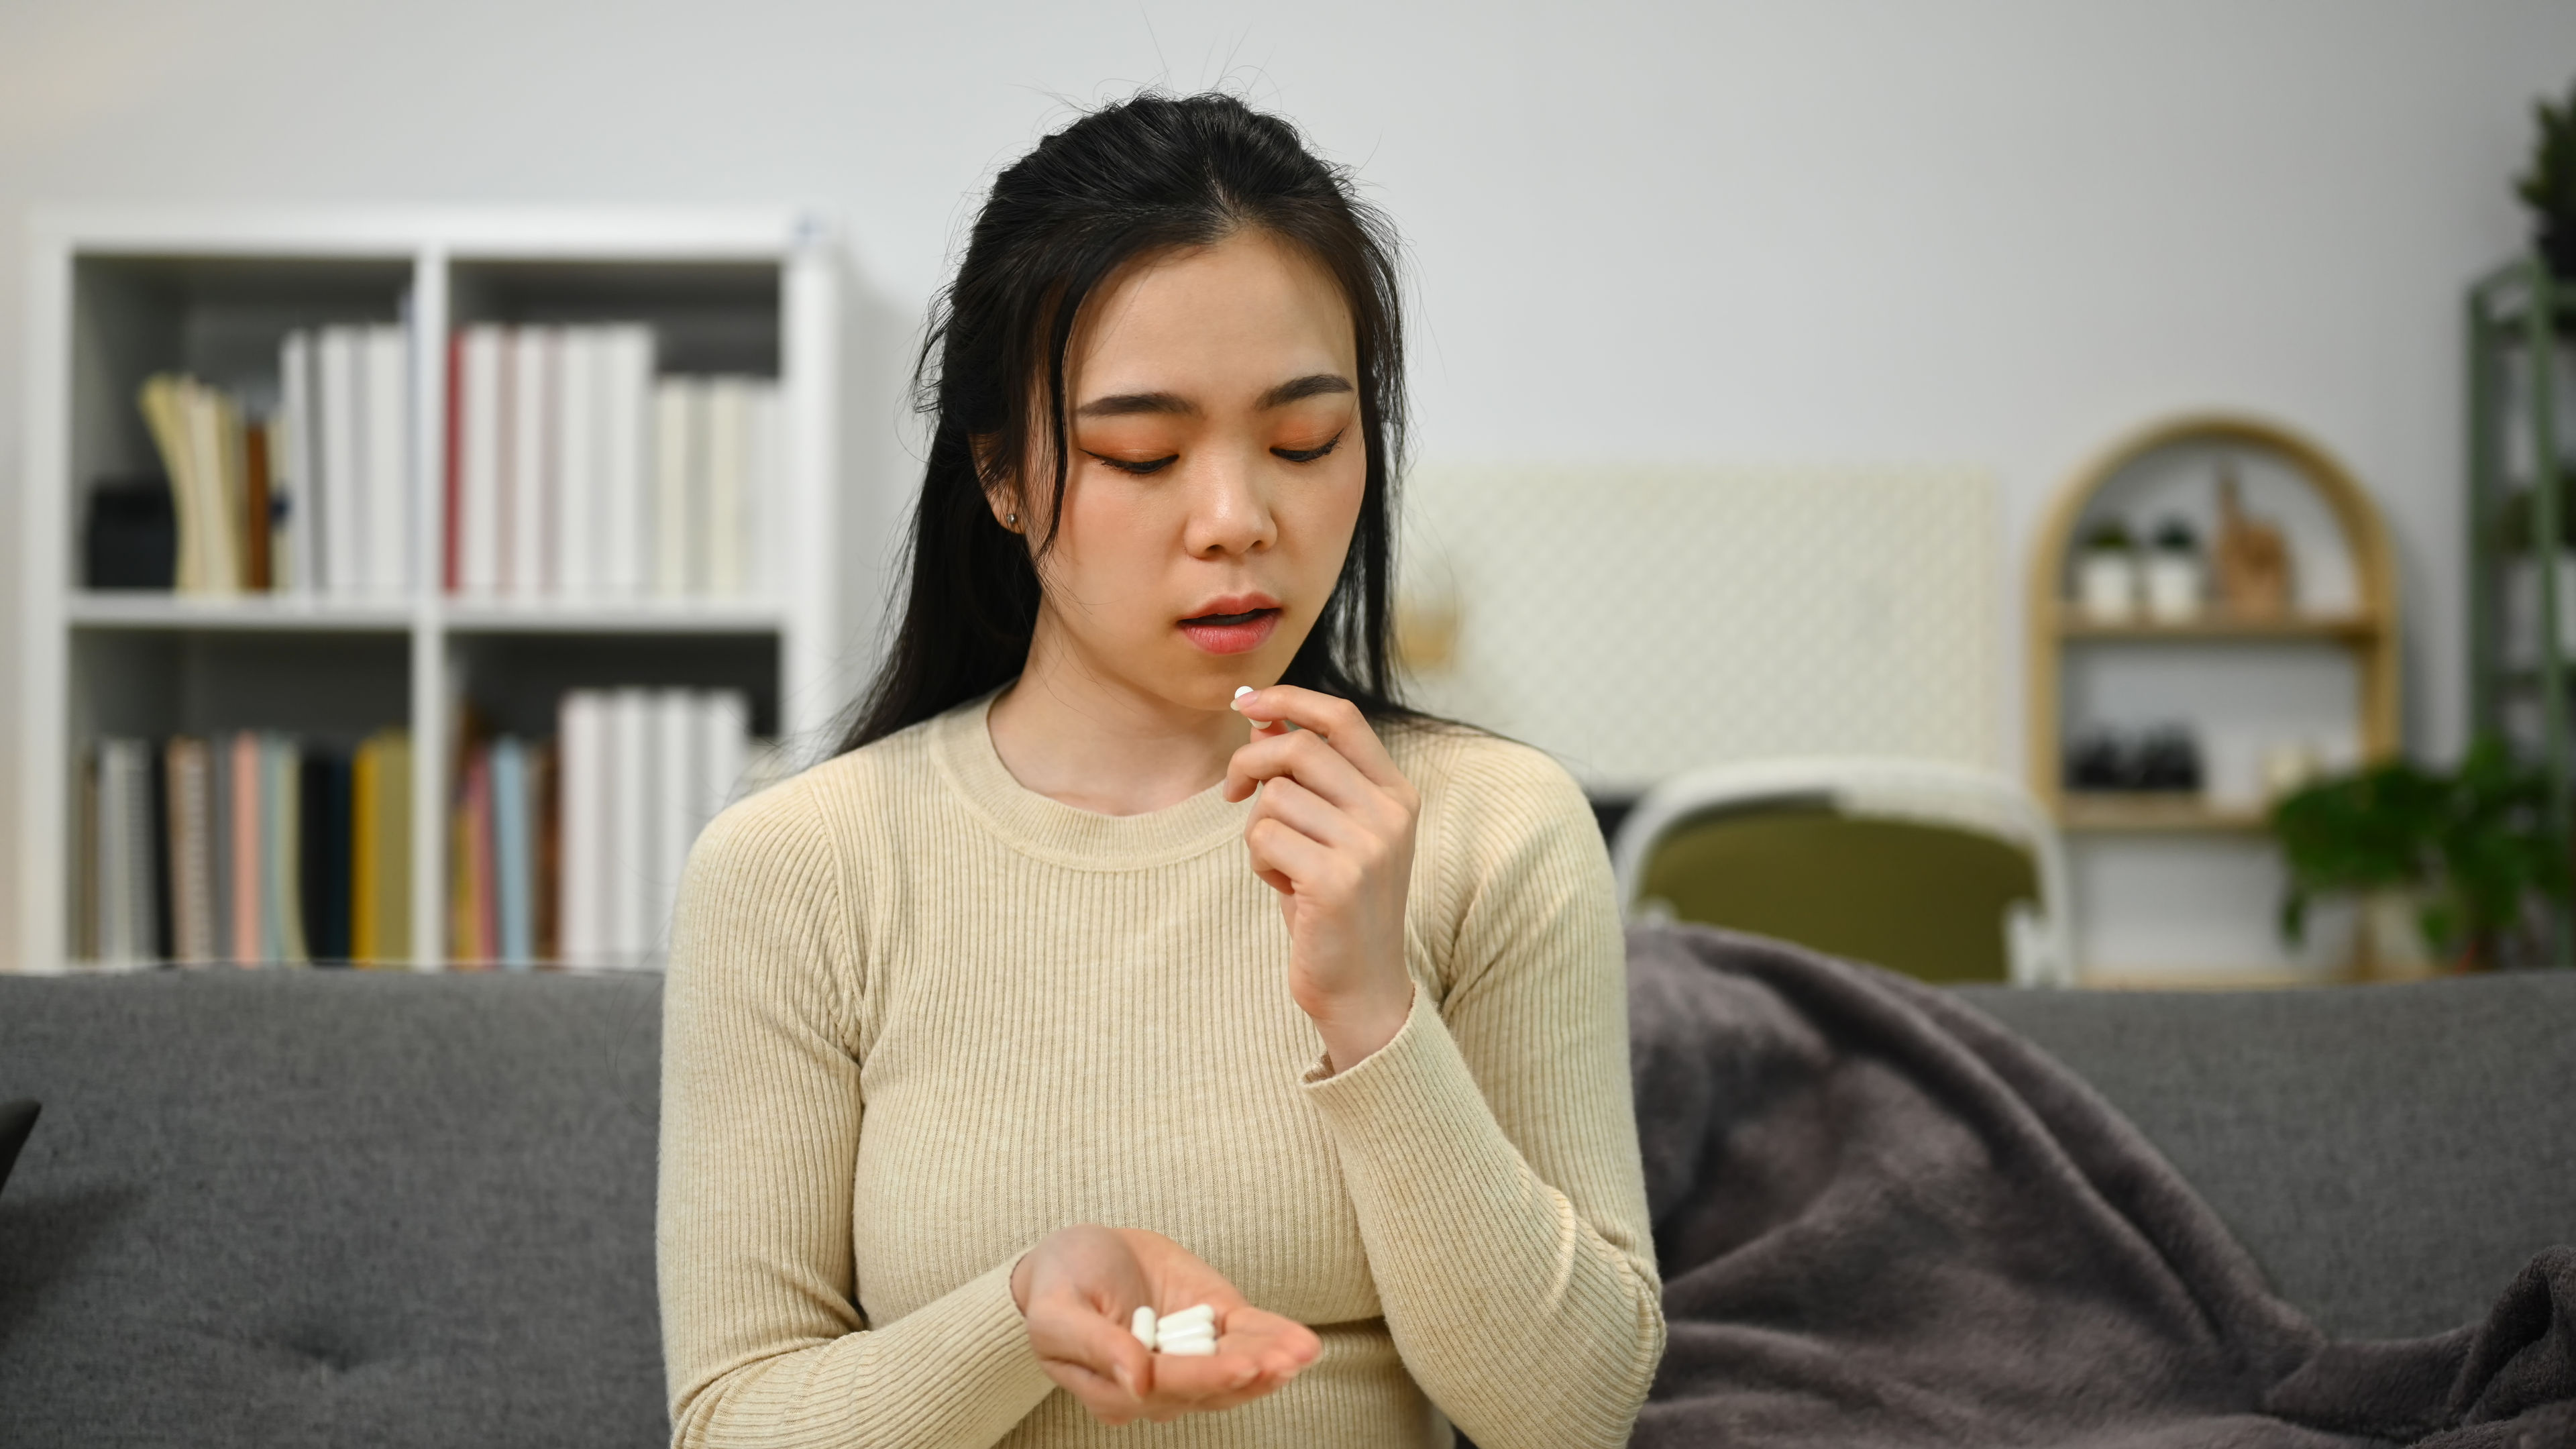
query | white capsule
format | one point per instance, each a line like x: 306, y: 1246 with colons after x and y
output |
x: 1192, y: 1348
x: 1196, y: 1313
x: 1142, y: 1325
x: 1165, y: 1332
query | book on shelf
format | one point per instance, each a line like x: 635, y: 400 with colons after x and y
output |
x: 313, y: 497
x: 575, y: 472
x: 262, y: 848
x: 380, y: 849
x: 235, y: 849
x: 637, y: 775
x: 122, y: 856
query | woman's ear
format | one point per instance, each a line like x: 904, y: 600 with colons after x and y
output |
x: 1001, y: 493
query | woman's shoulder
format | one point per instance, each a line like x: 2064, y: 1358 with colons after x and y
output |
x: 835, y: 802
x: 1506, y: 838
x: 1482, y: 783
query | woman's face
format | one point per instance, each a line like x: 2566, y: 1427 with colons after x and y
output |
x: 1216, y: 471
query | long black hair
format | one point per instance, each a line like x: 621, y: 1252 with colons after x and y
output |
x: 1139, y: 176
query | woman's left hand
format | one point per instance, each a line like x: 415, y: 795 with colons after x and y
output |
x: 1332, y: 832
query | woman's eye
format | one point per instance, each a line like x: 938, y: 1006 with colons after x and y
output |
x: 1308, y: 455
x: 1140, y: 469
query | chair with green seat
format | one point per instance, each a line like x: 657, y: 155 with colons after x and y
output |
x: 1939, y: 871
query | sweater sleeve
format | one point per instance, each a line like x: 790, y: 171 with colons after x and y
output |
x: 1490, y: 1148
x: 763, y: 1338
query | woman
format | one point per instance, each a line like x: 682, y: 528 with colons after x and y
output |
x: 1077, y: 984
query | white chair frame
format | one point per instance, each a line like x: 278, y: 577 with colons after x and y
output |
x: 2039, y: 944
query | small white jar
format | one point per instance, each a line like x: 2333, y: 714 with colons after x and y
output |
x: 2174, y: 583
x: 2106, y: 585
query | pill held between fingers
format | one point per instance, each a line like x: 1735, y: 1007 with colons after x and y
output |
x: 1142, y: 1325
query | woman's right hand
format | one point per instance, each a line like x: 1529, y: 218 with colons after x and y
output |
x: 1080, y: 1287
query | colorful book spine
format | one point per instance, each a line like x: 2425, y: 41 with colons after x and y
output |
x: 393, y: 846
x: 513, y: 864
x: 328, y: 838
x: 249, y: 944
x: 192, y: 884
x: 284, y: 868
x: 468, y: 942
x: 545, y: 805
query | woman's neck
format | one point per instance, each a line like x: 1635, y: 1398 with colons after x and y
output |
x: 1075, y: 733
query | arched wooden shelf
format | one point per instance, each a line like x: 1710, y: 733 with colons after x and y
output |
x: 2370, y: 628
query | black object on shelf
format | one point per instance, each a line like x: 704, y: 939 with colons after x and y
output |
x: 2097, y: 760
x: 2168, y: 759
x: 132, y: 537
x: 2164, y: 759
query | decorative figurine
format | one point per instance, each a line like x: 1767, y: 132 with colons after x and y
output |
x: 2253, y: 556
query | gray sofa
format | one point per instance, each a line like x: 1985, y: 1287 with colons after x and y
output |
x: 336, y: 1208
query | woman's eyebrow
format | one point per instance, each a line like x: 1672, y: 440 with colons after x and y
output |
x: 1124, y: 404
x: 1129, y: 404
x: 1316, y: 384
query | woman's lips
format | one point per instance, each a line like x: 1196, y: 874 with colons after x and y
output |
x: 1231, y: 633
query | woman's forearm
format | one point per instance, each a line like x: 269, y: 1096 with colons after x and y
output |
x: 1517, y: 1315
x: 955, y: 1374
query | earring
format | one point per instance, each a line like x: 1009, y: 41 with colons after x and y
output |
x: 1013, y: 519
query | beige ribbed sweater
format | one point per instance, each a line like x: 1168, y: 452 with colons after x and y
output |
x: 919, y: 1016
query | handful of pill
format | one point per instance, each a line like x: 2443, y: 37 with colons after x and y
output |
x: 1190, y: 1333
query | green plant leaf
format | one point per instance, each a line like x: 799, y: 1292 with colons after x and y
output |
x: 2476, y: 840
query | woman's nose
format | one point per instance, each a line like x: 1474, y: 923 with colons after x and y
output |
x: 1229, y: 513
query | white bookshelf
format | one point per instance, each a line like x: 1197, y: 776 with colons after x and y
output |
x: 116, y: 294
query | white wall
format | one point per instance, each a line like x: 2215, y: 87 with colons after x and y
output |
x: 1984, y: 231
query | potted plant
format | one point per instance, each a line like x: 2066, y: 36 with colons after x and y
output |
x: 2469, y: 848
x: 2106, y: 574
x: 2174, y: 574
x: 2549, y: 187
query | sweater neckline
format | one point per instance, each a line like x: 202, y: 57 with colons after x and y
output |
x: 962, y: 745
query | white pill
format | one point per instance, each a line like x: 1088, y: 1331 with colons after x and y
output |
x: 1174, y: 1343
x: 1241, y: 690
x: 1142, y: 1325
x: 1166, y: 1331
x: 1198, y: 1313
x: 1193, y: 1348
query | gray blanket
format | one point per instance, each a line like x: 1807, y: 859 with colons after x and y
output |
x: 1885, y: 1222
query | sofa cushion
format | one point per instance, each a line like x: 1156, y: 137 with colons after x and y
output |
x: 344, y: 1208
x: 2392, y: 1155
x: 291, y: 1208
